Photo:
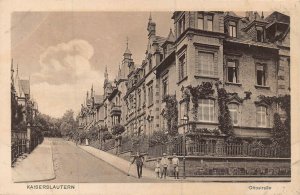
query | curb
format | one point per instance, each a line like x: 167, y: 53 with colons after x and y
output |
x: 53, y: 176
x: 121, y: 170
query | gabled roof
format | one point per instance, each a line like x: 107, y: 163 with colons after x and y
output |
x: 231, y: 14
x: 277, y: 16
x: 170, y: 38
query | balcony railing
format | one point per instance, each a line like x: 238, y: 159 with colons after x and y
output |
x: 116, y: 110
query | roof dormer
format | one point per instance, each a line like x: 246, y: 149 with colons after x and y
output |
x: 256, y: 26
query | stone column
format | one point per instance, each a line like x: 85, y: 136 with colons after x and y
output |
x: 28, y: 140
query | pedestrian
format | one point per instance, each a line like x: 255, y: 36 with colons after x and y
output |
x: 139, y: 161
x: 157, y: 168
x: 175, y: 163
x: 164, y: 163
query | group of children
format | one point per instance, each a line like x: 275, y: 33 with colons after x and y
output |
x: 161, y: 166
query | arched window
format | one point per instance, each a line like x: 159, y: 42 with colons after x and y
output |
x: 261, y: 116
x: 234, y: 110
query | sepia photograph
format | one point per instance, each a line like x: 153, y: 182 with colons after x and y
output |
x: 150, y: 97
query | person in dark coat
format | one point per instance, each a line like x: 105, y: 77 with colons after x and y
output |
x: 139, y: 161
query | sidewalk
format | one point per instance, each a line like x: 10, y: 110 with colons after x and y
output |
x: 38, y: 166
x: 117, y: 162
x: 123, y: 166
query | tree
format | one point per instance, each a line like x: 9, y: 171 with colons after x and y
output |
x: 106, y: 135
x: 16, y: 115
x: 68, y: 124
x: 158, y: 137
x: 117, y: 129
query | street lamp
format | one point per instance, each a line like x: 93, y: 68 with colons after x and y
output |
x: 185, y: 120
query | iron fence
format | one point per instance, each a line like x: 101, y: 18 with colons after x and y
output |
x: 222, y: 150
x: 20, y: 144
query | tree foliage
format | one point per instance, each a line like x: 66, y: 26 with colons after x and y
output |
x: 158, y: 137
x: 106, y: 135
x: 48, y: 125
x: 117, y: 129
x: 68, y: 124
x: 17, y: 116
x: 282, y: 129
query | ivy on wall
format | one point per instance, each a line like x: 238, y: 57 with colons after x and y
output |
x: 171, y: 114
x: 282, y: 129
x: 202, y: 91
x: 225, y: 122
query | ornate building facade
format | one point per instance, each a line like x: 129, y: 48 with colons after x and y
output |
x: 247, y: 56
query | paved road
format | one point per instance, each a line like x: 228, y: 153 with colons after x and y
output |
x: 72, y: 165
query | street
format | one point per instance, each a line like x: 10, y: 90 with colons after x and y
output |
x: 72, y: 164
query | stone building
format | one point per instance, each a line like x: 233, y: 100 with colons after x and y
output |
x: 91, y: 113
x: 244, y: 57
x: 243, y: 54
x: 20, y: 92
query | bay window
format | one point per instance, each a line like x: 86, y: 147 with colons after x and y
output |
x: 206, y: 110
x: 206, y: 63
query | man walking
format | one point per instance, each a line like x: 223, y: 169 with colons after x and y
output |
x: 164, y: 163
x: 175, y: 163
x: 139, y: 161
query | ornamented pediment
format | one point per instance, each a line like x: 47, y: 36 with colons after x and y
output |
x: 234, y: 98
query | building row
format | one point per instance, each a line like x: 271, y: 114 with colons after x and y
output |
x: 249, y: 54
x: 21, y: 101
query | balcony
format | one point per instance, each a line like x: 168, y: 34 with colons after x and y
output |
x: 115, y: 110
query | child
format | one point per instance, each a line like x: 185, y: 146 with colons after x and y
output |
x: 157, y: 168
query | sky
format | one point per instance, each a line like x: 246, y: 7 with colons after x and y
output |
x: 65, y: 53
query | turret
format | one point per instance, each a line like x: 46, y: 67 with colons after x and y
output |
x: 151, y: 27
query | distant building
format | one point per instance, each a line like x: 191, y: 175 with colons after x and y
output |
x: 20, y: 92
x: 91, y: 113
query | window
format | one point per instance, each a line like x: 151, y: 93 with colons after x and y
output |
x: 144, y: 90
x: 181, y: 25
x: 183, y: 109
x: 206, y: 63
x: 210, y: 23
x: 200, y: 21
x: 139, y: 99
x: 261, y: 74
x: 150, y: 64
x: 232, y: 71
x: 233, y: 109
x: 232, y: 29
x: 150, y: 95
x: 260, y: 35
x: 182, y: 67
x: 261, y: 116
x: 206, y: 110
x: 165, y: 86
